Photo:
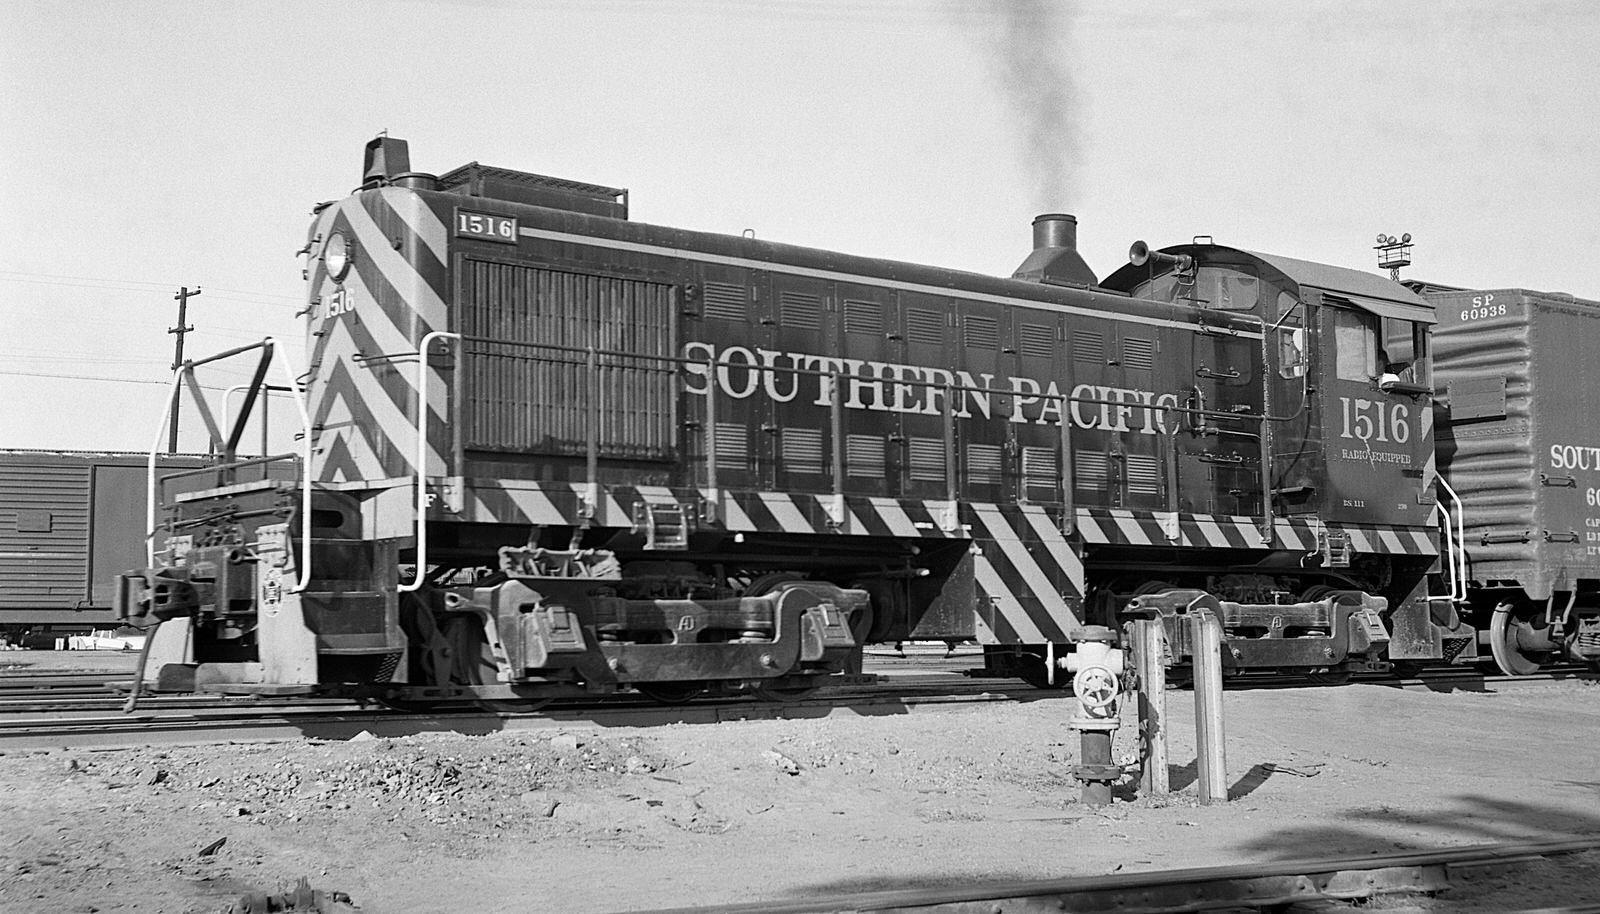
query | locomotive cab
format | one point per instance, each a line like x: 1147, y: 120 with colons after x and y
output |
x: 1345, y: 440
x: 1344, y: 382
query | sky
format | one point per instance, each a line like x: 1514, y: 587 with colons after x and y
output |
x: 152, y: 145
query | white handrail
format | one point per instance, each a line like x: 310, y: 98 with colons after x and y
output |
x: 1455, y: 545
x: 303, y: 572
x: 150, y: 474
x: 422, y: 458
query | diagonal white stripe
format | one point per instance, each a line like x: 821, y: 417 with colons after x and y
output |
x: 389, y: 341
x: 420, y: 219
x: 537, y: 506
x: 851, y: 525
x: 1089, y: 528
x: 1247, y: 528
x: 656, y: 495
x: 732, y: 516
x: 388, y: 417
x: 1211, y: 531
x: 1056, y: 544
x: 1005, y: 601
x: 392, y: 264
x: 1390, y: 541
x: 1359, y: 541
x: 785, y: 513
x: 1289, y: 535
x: 1130, y: 528
x: 895, y: 516
x: 1016, y: 552
x: 341, y: 424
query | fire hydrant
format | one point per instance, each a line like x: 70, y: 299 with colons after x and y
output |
x: 1097, y: 682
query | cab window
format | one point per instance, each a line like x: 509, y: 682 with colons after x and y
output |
x: 1220, y: 287
x: 1405, y: 347
x: 1227, y: 289
x: 1355, y: 344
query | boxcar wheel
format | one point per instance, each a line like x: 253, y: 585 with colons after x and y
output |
x: 1504, y: 630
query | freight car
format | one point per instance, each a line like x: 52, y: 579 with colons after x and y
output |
x: 70, y: 521
x: 1519, y: 453
x: 550, y: 450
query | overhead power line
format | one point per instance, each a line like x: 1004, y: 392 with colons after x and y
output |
x: 135, y: 285
x: 85, y: 377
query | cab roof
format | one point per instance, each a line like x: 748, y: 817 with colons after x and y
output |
x: 1341, y: 285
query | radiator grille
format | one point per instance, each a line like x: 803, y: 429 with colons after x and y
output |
x: 800, y: 311
x: 1036, y: 340
x: 733, y: 446
x: 802, y: 450
x: 1091, y: 471
x: 1139, y: 353
x: 725, y: 301
x: 1088, y: 347
x: 982, y: 333
x: 1144, y: 475
x: 924, y: 326
x: 1040, y: 471
x: 529, y: 387
x: 926, y: 459
x: 985, y: 464
x: 863, y: 317
x: 865, y: 456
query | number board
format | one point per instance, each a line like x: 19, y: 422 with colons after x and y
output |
x: 486, y: 226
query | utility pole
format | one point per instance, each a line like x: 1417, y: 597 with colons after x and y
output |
x: 182, y: 298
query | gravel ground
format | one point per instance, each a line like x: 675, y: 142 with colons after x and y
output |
x: 590, y: 819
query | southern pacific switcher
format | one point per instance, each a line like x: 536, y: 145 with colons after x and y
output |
x: 549, y: 450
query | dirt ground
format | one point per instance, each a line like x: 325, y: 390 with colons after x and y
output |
x: 590, y: 819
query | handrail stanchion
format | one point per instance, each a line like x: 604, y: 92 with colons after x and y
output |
x: 711, y: 442
x: 422, y: 458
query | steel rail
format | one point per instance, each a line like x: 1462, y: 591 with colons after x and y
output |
x: 1251, y: 886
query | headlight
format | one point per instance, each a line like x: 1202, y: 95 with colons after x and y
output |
x: 337, y: 255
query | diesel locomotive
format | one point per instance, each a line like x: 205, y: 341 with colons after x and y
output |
x: 550, y: 451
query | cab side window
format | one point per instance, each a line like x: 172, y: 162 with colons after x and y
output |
x: 1355, y: 344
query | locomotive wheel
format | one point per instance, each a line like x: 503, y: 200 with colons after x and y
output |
x: 670, y: 693
x: 782, y: 693
x: 1512, y: 660
x: 472, y: 663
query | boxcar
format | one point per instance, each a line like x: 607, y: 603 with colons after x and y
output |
x: 1520, y: 451
x: 70, y: 521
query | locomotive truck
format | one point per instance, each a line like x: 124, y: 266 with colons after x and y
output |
x: 549, y: 450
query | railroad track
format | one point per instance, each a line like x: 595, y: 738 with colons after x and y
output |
x: 86, y: 710
x: 1297, y: 886
x: 172, y: 720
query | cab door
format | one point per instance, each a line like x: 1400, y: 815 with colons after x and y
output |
x: 1376, y: 437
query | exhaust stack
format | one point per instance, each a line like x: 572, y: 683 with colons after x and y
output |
x: 1055, y: 258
